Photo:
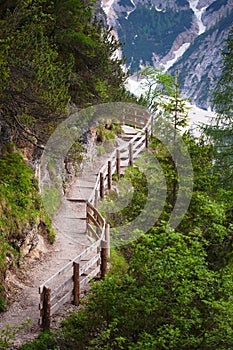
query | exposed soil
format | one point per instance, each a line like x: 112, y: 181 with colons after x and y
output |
x: 71, y: 240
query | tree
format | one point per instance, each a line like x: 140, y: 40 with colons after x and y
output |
x: 36, y: 89
x: 164, y: 298
x: 162, y: 94
x: 221, y: 130
x: 223, y: 93
x: 163, y: 98
x: 54, y: 54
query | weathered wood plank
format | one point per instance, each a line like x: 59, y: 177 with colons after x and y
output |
x: 92, y: 231
x: 90, y: 276
x: 70, y: 264
x: 67, y: 297
x: 104, y: 259
x: 89, y: 264
x: 142, y: 120
x: 46, y: 311
x: 91, y: 218
x: 139, y: 150
x: 139, y: 142
x: 65, y: 285
x: 101, y: 220
x: 76, y: 273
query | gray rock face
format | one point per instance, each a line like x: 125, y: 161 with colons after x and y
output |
x: 188, y: 34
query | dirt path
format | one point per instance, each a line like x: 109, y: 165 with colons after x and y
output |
x: 71, y: 240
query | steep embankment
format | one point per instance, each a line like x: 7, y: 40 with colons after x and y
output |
x: 70, y: 225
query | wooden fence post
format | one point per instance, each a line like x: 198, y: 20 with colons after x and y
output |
x: 146, y: 138
x: 123, y: 119
x: 104, y: 259
x: 118, y: 165
x: 96, y: 202
x: 107, y: 238
x: 76, y: 283
x: 109, y: 175
x: 96, y: 199
x: 46, y: 318
x: 101, y: 185
x: 152, y: 126
x: 130, y: 154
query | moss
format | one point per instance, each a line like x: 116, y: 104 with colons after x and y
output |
x: 20, y: 210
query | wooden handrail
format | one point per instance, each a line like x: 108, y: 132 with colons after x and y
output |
x: 50, y: 301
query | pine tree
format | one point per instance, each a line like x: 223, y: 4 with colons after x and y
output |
x: 221, y: 130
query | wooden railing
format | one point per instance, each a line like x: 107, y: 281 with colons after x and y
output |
x: 125, y: 155
x: 66, y: 284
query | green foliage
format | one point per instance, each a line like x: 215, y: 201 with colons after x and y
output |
x: 20, y: 203
x: 20, y: 209
x: 220, y: 132
x: 202, y: 155
x: 126, y: 214
x: 37, y: 81
x: 10, y: 333
x: 223, y: 94
x: 170, y: 289
x: 162, y: 91
x: 54, y: 54
x: 166, y: 298
x: 44, y: 342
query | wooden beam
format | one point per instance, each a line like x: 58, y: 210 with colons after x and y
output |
x: 107, y: 237
x: 101, y: 185
x: 147, y: 138
x: 130, y: 154
x: 109, y: 175
x: 118, y: 163
x: 76, y: 276
x: 104, y: 259
x: 46, y: 316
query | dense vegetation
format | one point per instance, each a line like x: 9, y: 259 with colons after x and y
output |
x: 20, y: 211
x: 54, y: 56
x: 220, y: 132
x: 169, y: 288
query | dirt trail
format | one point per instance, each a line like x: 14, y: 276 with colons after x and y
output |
x: 71, y: 240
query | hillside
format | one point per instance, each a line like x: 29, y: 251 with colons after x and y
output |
x: 186, y: 34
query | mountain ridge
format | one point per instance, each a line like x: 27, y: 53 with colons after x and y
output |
x: 184, y: 34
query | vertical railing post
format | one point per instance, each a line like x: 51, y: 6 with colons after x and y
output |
x: 107, y: 238
x: 118, y: 165
x: 109, y: 175
x: 152, y: 126
x: 96, y: 199
x: 123, y: 118
x: 76, y: 278
x: 104, y: 259
x: 46, y: 317
x: 146, y: 138
x: 99, y: 260
x: 96, y: 202
x: 101, y: 185
x: 130, y: 154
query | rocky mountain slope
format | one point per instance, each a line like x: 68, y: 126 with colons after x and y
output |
x: 169, y: 34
